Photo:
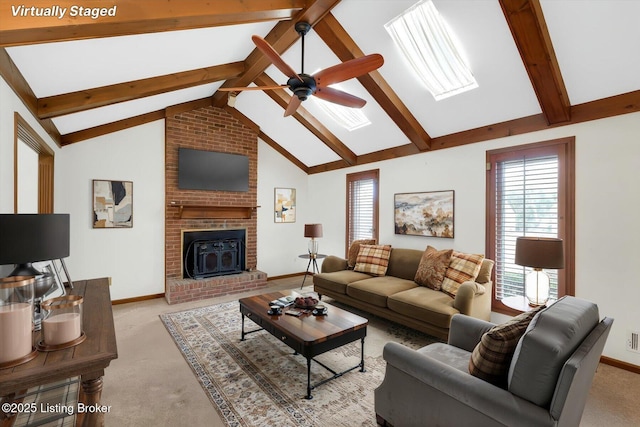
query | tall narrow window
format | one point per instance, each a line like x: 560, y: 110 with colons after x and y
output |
x: 362, y: 206
x: 530, y: 193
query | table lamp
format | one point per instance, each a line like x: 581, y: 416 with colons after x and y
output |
x: 313, y: 231
x: 539, y: 253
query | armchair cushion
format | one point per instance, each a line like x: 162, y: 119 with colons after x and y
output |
x: 491, y: 358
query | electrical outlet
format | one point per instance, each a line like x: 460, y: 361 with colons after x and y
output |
x: 632, y: 341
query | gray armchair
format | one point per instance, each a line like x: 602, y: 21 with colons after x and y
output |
x: 549, y: 376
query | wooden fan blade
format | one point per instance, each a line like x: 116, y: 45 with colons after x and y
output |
x: 240, y: 89
x: 274, y: 57
x: 348, y: 70
x: 294, y: 103
x: 339, y: 97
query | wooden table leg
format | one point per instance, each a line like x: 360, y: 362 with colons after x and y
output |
x: 89, y: 396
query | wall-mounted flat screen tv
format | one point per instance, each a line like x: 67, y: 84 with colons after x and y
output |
x: 211, y: 170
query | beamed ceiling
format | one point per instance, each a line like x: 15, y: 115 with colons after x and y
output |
x: 538, y: 63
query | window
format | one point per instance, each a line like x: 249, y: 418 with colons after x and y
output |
x: 362, y: 206
x: 430, y: 48
x: 530, y: 193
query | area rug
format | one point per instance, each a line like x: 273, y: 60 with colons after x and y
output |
x: 260, y: 381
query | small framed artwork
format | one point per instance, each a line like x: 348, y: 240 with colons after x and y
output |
x: 285, y: 205
x: 112, y: 204
x: 424, y: 214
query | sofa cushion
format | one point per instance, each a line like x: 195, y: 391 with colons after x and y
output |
x: 463, y: 267
x: 354, y: 249
x: 376, y: 290
x: 373, y: 259
x: 424, y: 304
x: 548, y: 342
x: 337, y: 281
x: 492, y: 356
x: 484, y: 275
x: 432, y: 267
x: 403, y: 263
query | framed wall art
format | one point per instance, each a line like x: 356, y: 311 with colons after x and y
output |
x: 424, y: 214
x: 285, y: 205
x: 112, y: 204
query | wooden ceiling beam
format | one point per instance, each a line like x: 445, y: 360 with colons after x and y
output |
x: 345, y: 48
x: 58, y: 105
x: 20, y: 26
x: 282, y: 97
x: 14, y: 78
x: 531, y: 35
x: 281, y: 37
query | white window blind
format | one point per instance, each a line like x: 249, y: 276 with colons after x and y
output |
x: 526, y: 205
x: 362, y: 209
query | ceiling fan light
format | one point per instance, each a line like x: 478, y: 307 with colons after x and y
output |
x: 429, y: 47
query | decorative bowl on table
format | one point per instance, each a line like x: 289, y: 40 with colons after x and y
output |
x: 305, y: 302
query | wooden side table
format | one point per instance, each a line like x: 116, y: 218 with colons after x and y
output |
x: 313, y: 263
x: 87, y: 360
x: 520, y: 303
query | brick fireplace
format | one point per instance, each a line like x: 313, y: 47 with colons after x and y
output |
x: 211, y: 129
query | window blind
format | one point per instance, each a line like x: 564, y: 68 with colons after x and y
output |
x: 362, y: 209
x: 526, y: 205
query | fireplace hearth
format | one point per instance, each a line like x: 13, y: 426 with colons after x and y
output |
x: 209, y: 253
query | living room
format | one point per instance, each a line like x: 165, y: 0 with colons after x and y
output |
x: 607, y: 181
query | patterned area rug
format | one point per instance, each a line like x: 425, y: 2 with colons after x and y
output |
x: 260, y: 381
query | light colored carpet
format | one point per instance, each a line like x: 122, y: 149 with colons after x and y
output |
x: 259, y: 381
x: 150, y: 384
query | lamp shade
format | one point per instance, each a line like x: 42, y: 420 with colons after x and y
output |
x: 313, y: 230
x: 539, y: 252
x: 26, y: 238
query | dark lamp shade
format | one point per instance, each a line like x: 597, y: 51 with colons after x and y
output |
x: 313, y: 230
x: 26, y: 238
x: 540, y: 252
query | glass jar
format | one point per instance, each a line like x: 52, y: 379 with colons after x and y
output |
x: 16, y: 319
x: 62, y: 320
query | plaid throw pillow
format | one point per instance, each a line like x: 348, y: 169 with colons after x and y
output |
x: 354, y: 249
x: 491, y: 358
x: 432, y: 267
x: 463, y: 267
x: 373, y: 259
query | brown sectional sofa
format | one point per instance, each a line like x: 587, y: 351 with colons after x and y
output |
x: 395, y: 296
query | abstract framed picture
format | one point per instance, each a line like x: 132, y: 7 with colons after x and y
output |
x: 424, y: 214
x: 112, y: 204
x: 285, y: 205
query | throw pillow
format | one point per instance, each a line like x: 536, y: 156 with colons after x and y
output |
x: 373, y: 259
x: 463, y: 267
x: 491, y: 358
x: 354, y: 249
x: 432, y: 267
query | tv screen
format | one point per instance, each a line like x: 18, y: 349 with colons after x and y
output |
x: 211, y: 170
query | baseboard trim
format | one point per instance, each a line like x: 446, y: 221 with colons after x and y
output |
x: 137, y: 299
x: 285, y: 276
x: 620, y: 364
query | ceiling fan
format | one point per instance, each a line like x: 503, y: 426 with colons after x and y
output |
x: 304, y: 85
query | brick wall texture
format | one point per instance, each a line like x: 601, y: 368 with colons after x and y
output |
x: 211, y: 129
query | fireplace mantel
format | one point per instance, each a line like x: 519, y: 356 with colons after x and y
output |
x: 208, y: 211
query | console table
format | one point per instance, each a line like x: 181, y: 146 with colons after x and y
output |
x: 87, y: 360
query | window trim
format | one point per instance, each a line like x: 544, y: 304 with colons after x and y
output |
x: 566, y: 152
x: 351, y: 177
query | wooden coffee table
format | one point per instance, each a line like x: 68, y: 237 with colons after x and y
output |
x: 307, y: 335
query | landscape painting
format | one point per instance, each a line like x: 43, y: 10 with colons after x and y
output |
x: 424, y: 214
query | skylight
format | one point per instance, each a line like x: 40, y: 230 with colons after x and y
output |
x: 348, y: 118
x: 428, y: 45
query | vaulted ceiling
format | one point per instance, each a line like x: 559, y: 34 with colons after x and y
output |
x: 538, y: 63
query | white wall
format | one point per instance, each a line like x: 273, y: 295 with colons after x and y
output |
x: 279, y: 244
x: 607, y: 205
x: 133, y: 257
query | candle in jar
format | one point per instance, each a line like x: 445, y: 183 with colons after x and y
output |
x: 61, y: 328
x: 15, y: 331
